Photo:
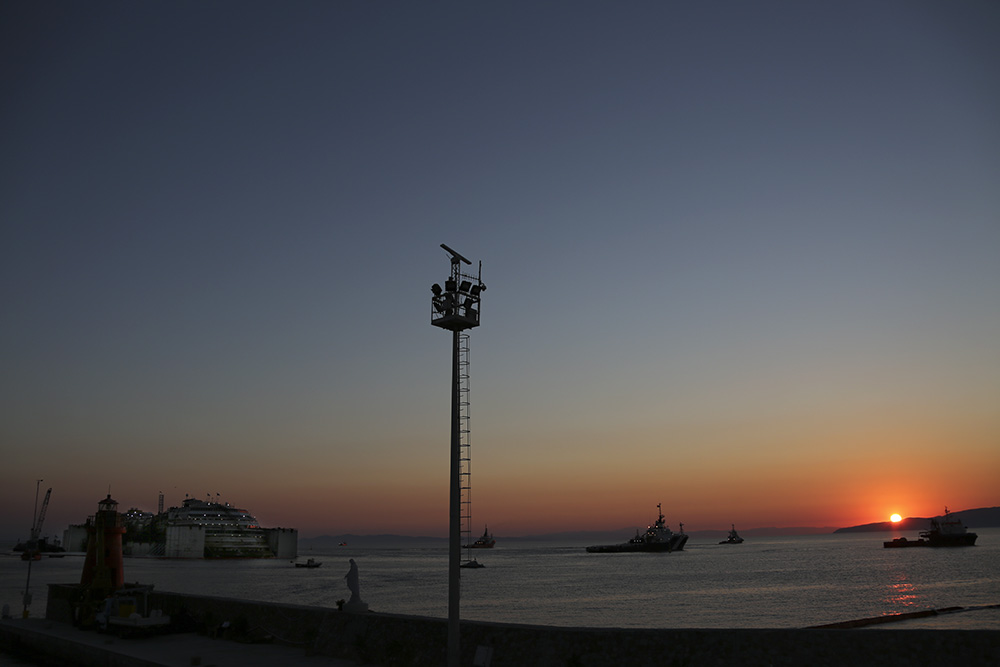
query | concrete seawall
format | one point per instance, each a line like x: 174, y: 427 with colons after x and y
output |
x: 391, y: 639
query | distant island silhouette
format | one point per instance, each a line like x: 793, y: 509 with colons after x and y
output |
x: 983, y: 517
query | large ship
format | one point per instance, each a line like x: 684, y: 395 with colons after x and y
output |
x: 196, y: 529
x: 230, y: 532
x: 657, y: 537
x: 946, y: 531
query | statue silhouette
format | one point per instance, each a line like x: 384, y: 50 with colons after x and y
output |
x: 352, y: 582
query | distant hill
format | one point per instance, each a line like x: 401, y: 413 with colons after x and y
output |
x: 983, y: 517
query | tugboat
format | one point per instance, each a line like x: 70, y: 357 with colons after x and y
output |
x: 657, y: 537
x: 734, y: 537
x: 484, y: 542
x: 311, y: 563
x: 946, y: 531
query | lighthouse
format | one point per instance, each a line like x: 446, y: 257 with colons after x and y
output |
x: 103, y: 569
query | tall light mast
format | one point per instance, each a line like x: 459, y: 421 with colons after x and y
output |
x: 456, y: 308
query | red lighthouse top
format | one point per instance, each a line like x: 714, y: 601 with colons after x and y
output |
x: 107, y: 505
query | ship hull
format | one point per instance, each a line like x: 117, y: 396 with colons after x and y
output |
x: 903, y: 543
x: 676, y: 543
x: 236, y: 545
x: 966, y: 540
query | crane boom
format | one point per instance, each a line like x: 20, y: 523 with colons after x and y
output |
x: 37, y: 530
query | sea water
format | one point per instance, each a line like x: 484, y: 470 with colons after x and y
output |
x: 766, y: 582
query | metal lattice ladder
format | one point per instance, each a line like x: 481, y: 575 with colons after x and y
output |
x: 465, y: 443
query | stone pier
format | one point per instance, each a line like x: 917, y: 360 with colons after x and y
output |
x: 393, y: 639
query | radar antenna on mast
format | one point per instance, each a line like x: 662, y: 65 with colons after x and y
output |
x: 456, y: 256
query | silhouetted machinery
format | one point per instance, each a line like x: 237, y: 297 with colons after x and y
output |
x: 32, y: 550
x: 456, y: 306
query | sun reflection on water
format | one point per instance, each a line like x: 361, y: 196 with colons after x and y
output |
x: 901, y: 593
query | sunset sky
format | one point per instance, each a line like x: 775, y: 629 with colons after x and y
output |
x: 742, y: 258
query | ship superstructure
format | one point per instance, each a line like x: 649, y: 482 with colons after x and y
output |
x: 230, y: 532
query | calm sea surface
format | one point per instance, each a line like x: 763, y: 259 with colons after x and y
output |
x: 778, y: 582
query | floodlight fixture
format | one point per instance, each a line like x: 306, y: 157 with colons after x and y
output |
x: 464, y: 287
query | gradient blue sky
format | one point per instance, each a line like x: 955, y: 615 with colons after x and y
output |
x: 743, y: 259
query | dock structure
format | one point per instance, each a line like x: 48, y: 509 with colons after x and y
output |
x: 62, y: 643
x: 218, y: 630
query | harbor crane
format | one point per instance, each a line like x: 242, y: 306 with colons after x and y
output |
x: 31, y: 551
x: 36, y: 530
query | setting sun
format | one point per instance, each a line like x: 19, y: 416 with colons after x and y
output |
x: 895, y: 518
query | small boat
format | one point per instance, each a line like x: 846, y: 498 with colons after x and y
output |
x: 734, y: 537
x: 484, y: 542
x: 312, y: 562
x: 657, y: 537
x: 342, y: 544
x: 472, y: 564
x: 946, y: 531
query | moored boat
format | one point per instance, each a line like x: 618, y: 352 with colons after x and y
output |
x: 311, y: 563
x: 657, y: 537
